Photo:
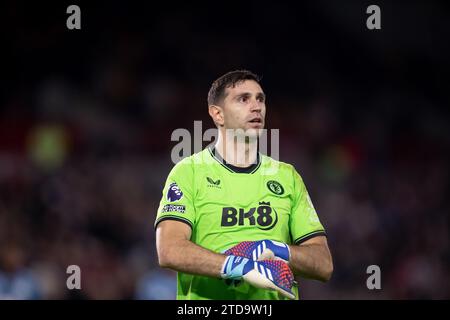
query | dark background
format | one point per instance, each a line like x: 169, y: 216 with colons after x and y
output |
x: 86, y: 118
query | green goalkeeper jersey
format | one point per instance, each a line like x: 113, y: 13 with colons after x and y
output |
x: 225, y: 205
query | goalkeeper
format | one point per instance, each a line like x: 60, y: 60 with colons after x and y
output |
x: 238, y: 224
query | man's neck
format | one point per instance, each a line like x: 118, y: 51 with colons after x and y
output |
x: 239, y: 152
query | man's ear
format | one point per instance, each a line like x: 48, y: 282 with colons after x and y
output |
x: 216, y: 113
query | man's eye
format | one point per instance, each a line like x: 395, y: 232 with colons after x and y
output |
x: 243, y: 99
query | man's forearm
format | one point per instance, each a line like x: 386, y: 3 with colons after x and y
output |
x: 185, y: 256
x: 311, y: 261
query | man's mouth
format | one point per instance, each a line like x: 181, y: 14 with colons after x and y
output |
x: 256, y: 120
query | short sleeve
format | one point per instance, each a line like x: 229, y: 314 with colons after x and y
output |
x: 177, y: 196
x: 304, y: 222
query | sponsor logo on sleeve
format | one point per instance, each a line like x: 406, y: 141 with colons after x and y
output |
x: 173, y: 208
x: 313, y: 218
x: 174, y: 193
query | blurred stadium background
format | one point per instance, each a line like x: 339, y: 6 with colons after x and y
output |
x: 86, y: 118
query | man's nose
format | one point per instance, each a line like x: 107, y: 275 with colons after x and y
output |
x: 256, y: 106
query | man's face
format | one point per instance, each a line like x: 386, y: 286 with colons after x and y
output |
x: 244, y: 107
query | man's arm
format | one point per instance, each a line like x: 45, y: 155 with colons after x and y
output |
x: 177, y: 252
x: 312, y: 259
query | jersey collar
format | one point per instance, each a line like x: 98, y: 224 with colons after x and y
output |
x: 250, y: 169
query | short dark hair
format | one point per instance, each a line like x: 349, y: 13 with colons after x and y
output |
x: 217, y: 91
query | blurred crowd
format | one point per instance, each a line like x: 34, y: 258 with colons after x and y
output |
x: 85, y: 142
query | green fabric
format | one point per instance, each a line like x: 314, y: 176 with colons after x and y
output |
x: 224, y: 208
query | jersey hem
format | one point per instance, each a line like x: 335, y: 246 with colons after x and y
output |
x: 186, y: 221
x: 310, y: 235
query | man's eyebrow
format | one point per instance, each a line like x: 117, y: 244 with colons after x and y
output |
x: 242, y: 94
x: 248, y: 94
